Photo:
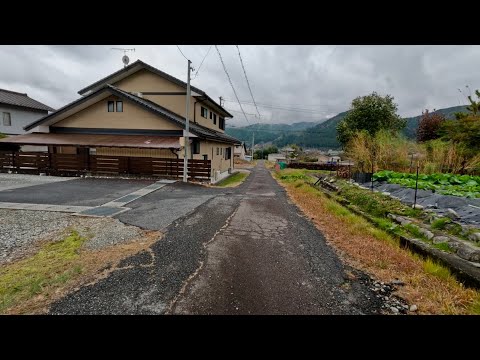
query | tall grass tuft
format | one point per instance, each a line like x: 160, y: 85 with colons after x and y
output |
x: 395, y: 153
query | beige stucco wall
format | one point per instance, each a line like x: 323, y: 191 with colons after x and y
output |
x: 156, y: 153
x: 218, y: 161
x: 132, y: 117
x: 146, y: 81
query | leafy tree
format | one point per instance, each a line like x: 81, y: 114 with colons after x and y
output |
x: 264, y: 152
x: 370, y: 113
x: 464, y: 131
x: 430, y: 125
x: 474, y: 105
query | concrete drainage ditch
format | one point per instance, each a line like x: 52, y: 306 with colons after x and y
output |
x: 462, y: 257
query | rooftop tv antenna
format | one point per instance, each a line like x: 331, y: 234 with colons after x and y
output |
x: 125, y: 58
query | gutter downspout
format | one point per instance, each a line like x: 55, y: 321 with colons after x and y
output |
x: 173, y: 151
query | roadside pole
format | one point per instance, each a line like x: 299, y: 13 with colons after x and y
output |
x: 253, y: 144
x: 187, y: 128
x: 416, y: 188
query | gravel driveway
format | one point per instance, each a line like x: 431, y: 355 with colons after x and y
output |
x: 22, y: 229
x: 16, y: 181
x: 79, y: 191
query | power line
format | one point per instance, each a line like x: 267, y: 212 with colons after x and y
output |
x: 306, y: 116
x: 181, y: 52
x: 238, y: 111
x: 196, y: 74
x: 279, y: 130
x: 231, y: 84
x: 282, y: 104
x: 246, y: 78
x: 284, y: 107
x: 279, y: 107
x: 308, y: 111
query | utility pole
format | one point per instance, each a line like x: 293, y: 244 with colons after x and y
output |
x: 253, y: 144
x: 221, y: 98
x: 187, y: 128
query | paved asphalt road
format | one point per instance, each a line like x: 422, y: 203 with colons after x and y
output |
x: 78, y: 192
x: 240, y: 251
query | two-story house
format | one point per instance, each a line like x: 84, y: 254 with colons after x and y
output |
x: 138, y: 111
x: 17, y: 110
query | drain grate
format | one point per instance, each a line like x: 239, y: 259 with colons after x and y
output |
x: 127, y: 198
x: 103, y: 211
x: 166, y: 181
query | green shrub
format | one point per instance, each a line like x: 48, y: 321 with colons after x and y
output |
x: 440, y: 224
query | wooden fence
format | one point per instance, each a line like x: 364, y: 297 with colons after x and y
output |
x: 75, y: 165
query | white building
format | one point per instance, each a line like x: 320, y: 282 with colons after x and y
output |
x: 240, y: 151
x: 276, y: 157
x: 18, y: 110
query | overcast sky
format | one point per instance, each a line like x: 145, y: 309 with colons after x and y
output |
x: 316, y: 82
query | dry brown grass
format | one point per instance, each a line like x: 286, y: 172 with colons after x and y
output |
x: 394, y: 153
x: 269, y: 164
x: 427, y: 285
x: 95, y: 265
x: 244, y: 164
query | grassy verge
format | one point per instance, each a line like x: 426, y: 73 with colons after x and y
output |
x: 54, y: 264
x: 427, y: 284
x: 269, y: 164
x: 234, y: 180
x: 375, y: 203
x: 27, y: 286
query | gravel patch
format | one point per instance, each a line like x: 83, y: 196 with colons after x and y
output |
x: 107, y: 232
x: 14, y: 181
x: 22, y: 229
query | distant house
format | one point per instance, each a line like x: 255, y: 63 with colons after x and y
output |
x: 322, y: 158
x: 240, y: 151
x: 334, y: 152
x: 276, y: 157
x: 287, y: 150
x: 18, y: 110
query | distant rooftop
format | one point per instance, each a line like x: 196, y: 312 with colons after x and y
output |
x: 9, y: 97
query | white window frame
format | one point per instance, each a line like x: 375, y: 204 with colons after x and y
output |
x: 5, y: 118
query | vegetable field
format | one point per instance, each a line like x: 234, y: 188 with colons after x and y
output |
x: 445, y: 184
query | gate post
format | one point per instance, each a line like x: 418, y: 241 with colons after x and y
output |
x: 13, y: 161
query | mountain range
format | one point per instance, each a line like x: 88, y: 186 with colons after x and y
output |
x: 321, y: 135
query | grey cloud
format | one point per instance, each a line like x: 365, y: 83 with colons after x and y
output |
x: 324, y: 79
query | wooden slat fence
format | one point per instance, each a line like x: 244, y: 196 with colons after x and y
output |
x: 75, y: 165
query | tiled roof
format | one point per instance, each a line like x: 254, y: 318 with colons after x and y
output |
x: 142, y: 65
x: 200, y: 131
x: 18, y: 99
x: 135, y: 141
x: 197, y: 129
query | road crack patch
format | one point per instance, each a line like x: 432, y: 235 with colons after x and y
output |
x: 202, y: 262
